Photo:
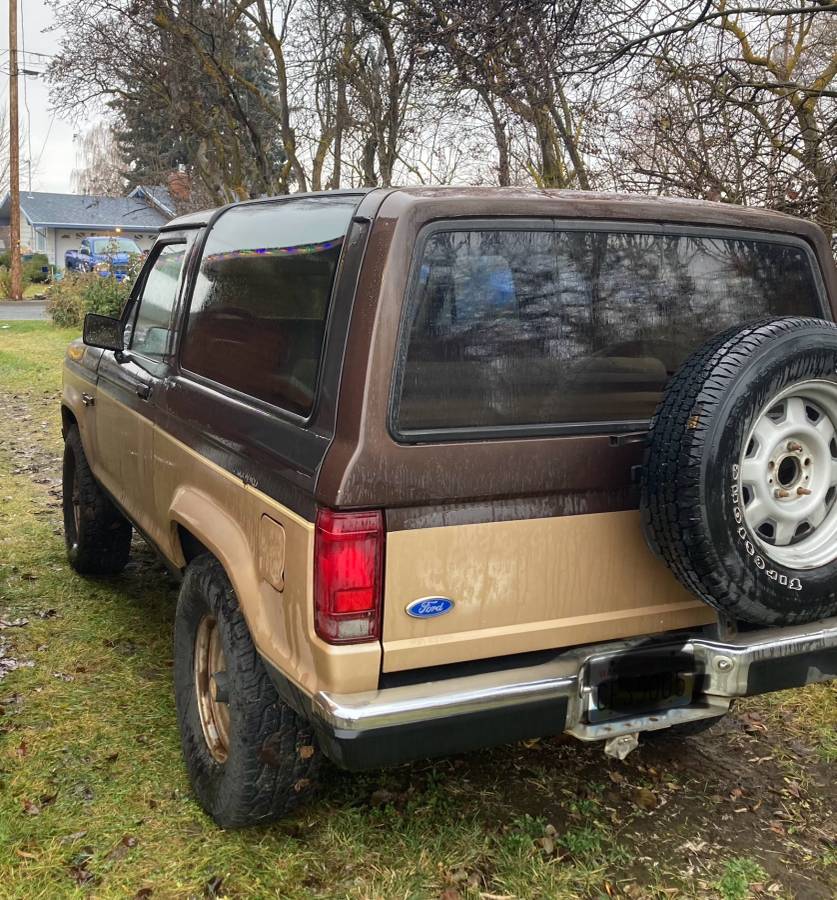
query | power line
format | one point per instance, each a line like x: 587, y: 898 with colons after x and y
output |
x: 43, y: 146
x: 30, y: 53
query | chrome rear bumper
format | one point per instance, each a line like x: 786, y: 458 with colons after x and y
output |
x: 749, y: 663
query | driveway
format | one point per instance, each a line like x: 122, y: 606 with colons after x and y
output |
x: 19, y: 310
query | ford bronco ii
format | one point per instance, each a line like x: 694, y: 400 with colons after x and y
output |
x: 448, y: 468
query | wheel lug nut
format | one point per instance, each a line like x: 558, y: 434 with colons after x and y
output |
x: 794, y: 447
x: 781, y: 492
x: 802, y: 491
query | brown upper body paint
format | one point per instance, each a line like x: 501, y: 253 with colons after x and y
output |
x: 536, y: 538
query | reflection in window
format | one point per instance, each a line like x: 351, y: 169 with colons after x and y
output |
x: 538, y: 327
x: 154, y: 322
x: 257, y: 318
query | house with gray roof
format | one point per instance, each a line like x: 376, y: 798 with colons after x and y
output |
x: 54, y: 223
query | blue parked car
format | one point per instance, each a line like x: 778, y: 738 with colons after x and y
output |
x: 109, y: 256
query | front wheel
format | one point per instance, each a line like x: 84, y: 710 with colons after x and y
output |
x: 250, y: 757
x: 97, y: 535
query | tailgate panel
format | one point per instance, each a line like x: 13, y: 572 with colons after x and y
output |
x: 532, y: 584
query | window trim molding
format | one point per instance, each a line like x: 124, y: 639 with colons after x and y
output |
x: 550, y: 224
x: 226, y: 390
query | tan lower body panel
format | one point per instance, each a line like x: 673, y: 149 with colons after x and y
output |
x: 227, y: 516
x: 526, y: 585
x: 266, y: 549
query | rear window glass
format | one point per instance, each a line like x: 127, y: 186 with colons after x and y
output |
x: 523, y: 327
x: 257, y: 318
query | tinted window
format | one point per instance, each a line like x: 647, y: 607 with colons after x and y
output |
x: 154, y: 323
x: 538, y: 327
x: 257, y: 317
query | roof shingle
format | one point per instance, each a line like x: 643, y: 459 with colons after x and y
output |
x: 83, y: 211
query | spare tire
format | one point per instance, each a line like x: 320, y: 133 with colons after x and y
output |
x: 740, y: 478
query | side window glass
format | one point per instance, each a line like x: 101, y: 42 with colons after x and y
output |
x: 257, y: 317
x: 154, y: 323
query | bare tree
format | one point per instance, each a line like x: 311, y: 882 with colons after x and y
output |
x: 99, y: 163
x: 728, y: 101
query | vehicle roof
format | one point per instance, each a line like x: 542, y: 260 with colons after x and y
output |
x: 558, y: 203
x: 430, y: 202
x: 202, y: 217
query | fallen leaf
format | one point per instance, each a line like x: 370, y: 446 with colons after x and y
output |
x: 75, y: 836
x: 13, y: 623
x: 24, y: 854
x: 615, y: 777
x: 547, y: 845
x: 30, y: 808
x: 81, y: 876
x: 306, y: 751
x: 645, y: 798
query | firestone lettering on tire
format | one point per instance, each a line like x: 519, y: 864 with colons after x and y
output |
x: 793, y: 584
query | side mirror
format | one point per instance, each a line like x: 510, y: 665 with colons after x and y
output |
x: 103, y: 332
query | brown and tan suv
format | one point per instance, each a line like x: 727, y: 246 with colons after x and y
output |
x: 401, y: 446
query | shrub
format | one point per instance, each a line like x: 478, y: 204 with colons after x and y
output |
x: 5, y: 283
x: 65, y: 301
x: 105, y: 296
x: 78, y: 293
x: 32, y: 269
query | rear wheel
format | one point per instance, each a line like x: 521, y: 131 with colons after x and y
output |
x: 250, y: 757
x: 97, y: 535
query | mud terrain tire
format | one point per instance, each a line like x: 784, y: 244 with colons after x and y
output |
x: 97, y: 535
x: 270, y: 759
x: 750, y: 416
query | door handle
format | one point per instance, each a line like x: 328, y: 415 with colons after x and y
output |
x: 143, y: 391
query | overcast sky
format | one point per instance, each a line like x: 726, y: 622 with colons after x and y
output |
x: 51, y: 138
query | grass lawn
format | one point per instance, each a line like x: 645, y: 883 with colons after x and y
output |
x: 94, y: 799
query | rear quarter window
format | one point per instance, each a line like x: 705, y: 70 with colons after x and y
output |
x: 516, y: 328
x: 257, y: 317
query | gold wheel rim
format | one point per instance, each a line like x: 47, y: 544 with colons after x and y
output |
x: 214, y: 715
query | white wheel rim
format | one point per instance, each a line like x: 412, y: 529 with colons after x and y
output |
x: 788, y: 476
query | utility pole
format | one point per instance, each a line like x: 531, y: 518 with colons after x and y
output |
x: 14, y: 158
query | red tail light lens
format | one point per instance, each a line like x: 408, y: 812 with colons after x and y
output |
x: 348, y: 575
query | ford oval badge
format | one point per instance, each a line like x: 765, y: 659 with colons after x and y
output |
x: 429, y: 607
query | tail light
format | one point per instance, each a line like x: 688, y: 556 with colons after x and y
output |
x: 348, y: 575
